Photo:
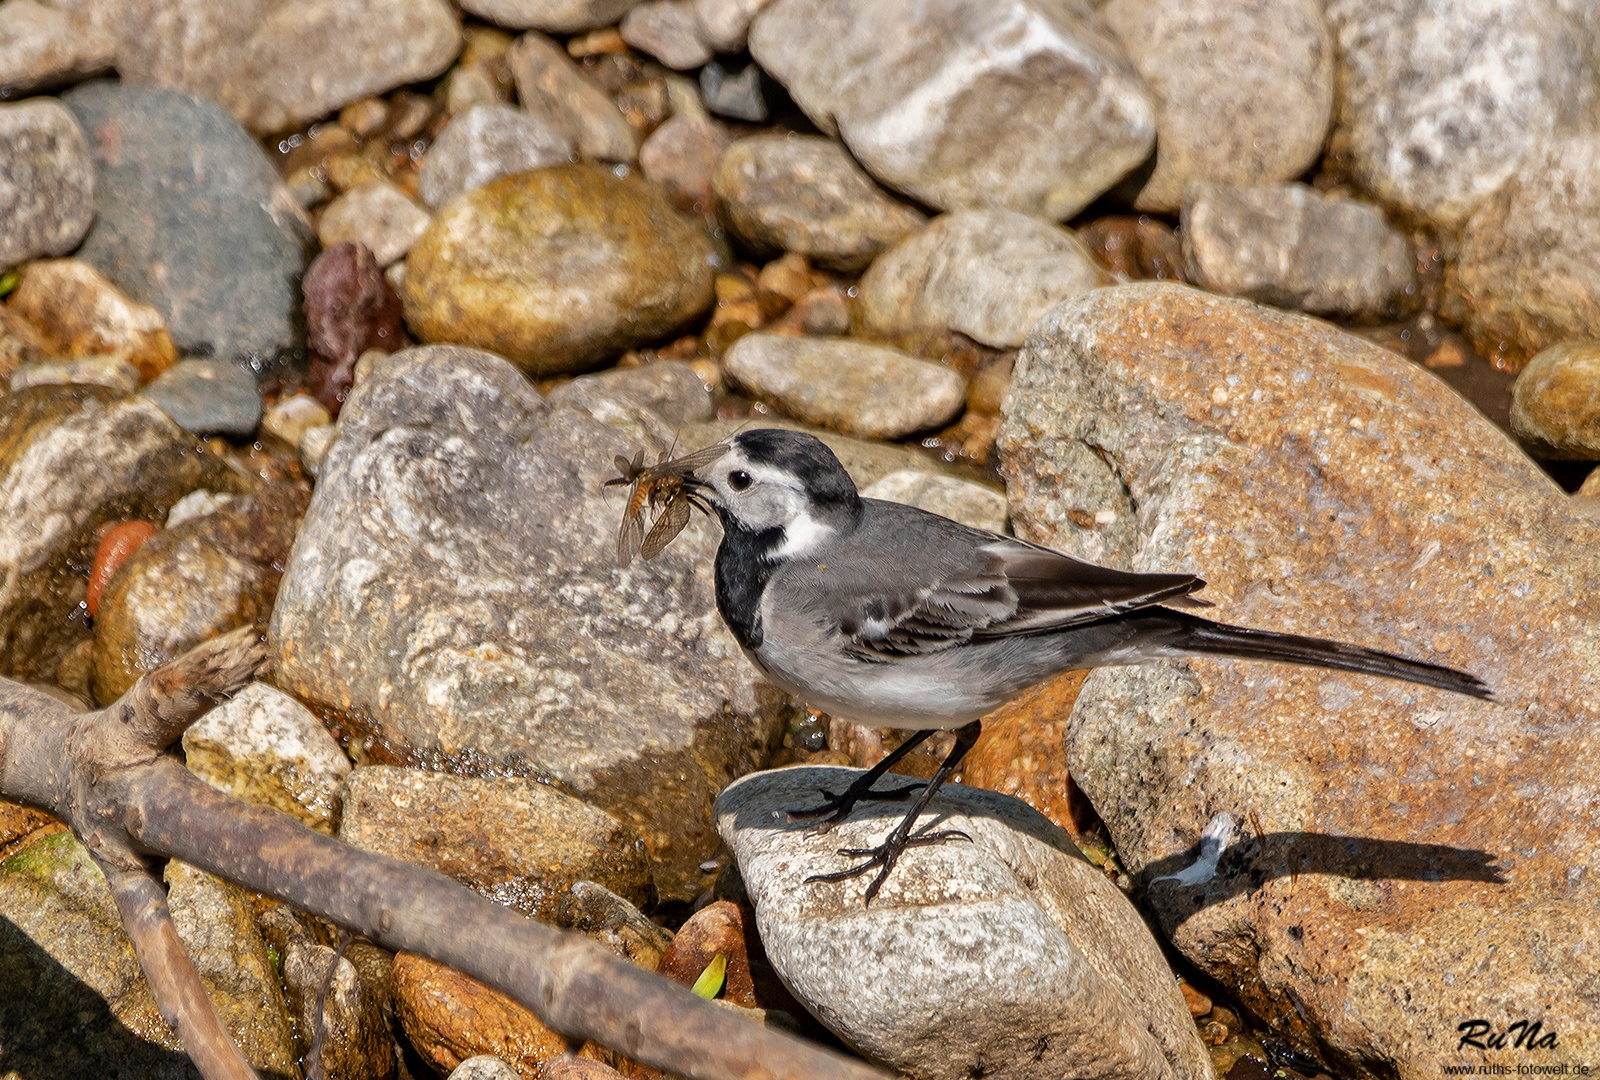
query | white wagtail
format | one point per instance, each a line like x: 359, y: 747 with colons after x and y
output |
x: 888, y: 615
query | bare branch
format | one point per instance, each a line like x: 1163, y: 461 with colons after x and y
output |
x: 159, y: 708
x: 179, y: 994
x: 568, y: 981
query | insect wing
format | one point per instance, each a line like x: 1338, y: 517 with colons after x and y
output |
x: 688, y: 463
x: 667, y: 527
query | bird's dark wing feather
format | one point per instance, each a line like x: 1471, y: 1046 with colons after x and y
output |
x: 974, y: 585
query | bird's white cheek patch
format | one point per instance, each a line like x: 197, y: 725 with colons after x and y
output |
x: 802, y: 536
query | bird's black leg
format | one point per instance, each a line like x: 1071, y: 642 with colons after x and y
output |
x: 844, y: 802
x: 886, y: 854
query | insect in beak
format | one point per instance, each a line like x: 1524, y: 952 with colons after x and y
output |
x: 669, y: 490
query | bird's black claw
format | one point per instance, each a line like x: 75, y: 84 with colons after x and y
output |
x: 885, y: 855
x: 841, y: 805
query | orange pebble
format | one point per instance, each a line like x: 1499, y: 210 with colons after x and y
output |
x: 116, y: 545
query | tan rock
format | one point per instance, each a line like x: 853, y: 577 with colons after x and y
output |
x: 1555, y: 402
x: 558, y: 269
x: 1528, y: 273
x: 108, y: 371
x: 184, y: 585
x: 555, y: 91
x: 49, y: 42
x: 377, y: 214
x: 515, y: 840
x: 79, y: 313
x: 1387, y: 836
x: 450, y: 1017
x: 1020, y: 752
x: 850, y: 386
x: 805, y: 194
x: 292, y: 417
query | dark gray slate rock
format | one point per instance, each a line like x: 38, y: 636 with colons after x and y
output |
x: 191, y: 219
x: 454, y: 591
x: 46, y: 181
x: 208, y: 397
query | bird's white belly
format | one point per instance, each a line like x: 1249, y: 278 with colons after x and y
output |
x: 902, y: 694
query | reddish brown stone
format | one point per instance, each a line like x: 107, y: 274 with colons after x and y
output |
x: 350, y: 308
x: 1020, y: 753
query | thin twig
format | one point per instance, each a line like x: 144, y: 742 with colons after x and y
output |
x: 319, y: 1017
x: 176, y: 984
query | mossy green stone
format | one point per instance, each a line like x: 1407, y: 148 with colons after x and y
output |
x: 558, y: 269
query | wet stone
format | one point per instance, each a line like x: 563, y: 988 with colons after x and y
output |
x: 304, y: 61
x: 484, y: 143
x: 208, y: 397
x: 928, y: 980
x: 355, y: 1039
x: 264, y: 747
x: 665, y: 29
x: 517, y: 841
x: 218, y: 929
x: 534, y: 654
x: 618, y: 925
x: 76, y: 458
x: 190, y: 583
x: 804, y: 194
x: 987, y: 274
x: 555, y: 92
x: 378, y: 215
x: 46, y: 43
x: 1243, y: 88
x: 1291, y: 246
x: 850, y: 386
x: 1037, y: 109
x: 46, y: 181
x: 79, y: 313
x: 964, y: 500
x: 558, y: 270
x: 1555, y: 404
x: 290, y: 418
x: 192, y: 219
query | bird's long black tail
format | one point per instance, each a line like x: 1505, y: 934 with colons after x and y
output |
x: 1203, y: 637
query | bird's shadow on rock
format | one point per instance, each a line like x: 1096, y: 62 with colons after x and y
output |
x: 1250, y: 860
x: 1253, y: 860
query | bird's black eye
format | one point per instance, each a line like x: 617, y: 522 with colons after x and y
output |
x: 738, y: 479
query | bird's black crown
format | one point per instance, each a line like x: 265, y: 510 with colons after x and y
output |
x: 806, y: 457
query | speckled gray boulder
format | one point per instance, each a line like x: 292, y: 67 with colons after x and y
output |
x: 46, y: 181
x: 192, y: 219
x: 805, y: 194
x: 1008, y: 955
x: 850, y: 386
x: 1291, y: 246
x: 454, y: 591
x: 988, y: 274
x: 1439, y: 100
x: 962, y: 103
